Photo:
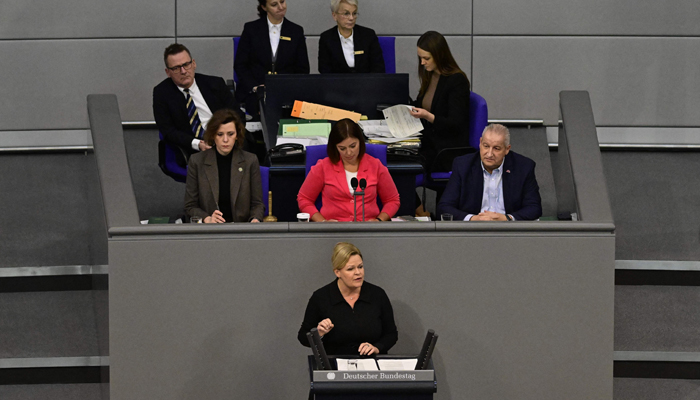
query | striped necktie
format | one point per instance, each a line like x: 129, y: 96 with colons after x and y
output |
x: 192, y: 113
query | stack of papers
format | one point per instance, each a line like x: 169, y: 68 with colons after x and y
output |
x: 398, y: 125
x: 360, y: 364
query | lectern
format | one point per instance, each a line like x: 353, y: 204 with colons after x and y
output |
x: 371, y: 385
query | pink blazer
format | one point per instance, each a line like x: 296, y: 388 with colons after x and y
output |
x: 329, y: 180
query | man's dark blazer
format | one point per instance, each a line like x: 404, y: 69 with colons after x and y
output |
x: 465, y: 190
x: 450, y: 128
x: 253, y: 58
x: 170, y: 108
x: 332, y: 60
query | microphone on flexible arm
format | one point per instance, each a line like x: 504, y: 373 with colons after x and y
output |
x: 363, y: 185
x: 353, y: 183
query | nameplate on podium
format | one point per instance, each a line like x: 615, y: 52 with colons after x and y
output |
x: 374, y: 376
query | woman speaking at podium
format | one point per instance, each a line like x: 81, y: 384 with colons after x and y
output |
x: 349, y: 47
x: 223, y: 182
x: 352, y: 316
x: 270, y: 45
x: 332, y: 177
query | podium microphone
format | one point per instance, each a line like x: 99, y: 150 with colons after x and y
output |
x: 353, y: 183
x: 363, y: 185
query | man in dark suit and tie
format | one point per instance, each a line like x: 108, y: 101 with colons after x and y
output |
x: 494, y: 185
x: 184, y: 102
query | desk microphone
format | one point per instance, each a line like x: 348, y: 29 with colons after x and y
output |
x: 363, y: 185
x: 353, y: 183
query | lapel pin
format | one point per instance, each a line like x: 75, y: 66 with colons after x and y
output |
x: 507, y: 171
x: 240, y: 169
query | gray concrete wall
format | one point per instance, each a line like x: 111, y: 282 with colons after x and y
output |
x: 520, y: 315
x: 637, y: 59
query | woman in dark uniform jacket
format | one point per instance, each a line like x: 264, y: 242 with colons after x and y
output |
x: 254, y: 58
x: 223, y: 182
x: 443, y: 100
x: 354, y: 317
x: 367, y: 54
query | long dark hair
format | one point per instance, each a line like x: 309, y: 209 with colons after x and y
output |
x: 261, y: 10
x: 435, y: 44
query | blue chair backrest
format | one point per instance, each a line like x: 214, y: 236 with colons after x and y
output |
x: 315, y: 153
x: 478, y: 118
x: 388, y: 45
x: 265, y: 178
x: 235, y: 50
x: 171, y: 166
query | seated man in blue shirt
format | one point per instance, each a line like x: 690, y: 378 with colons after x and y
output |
x: 494, y: 185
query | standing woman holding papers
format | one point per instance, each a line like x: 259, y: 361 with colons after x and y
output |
x: 223, y: 183
x: 352, y: 316
x: 270, y: 45
x: 443, y: 101
x: 348, y: 47
x: 332, y: 178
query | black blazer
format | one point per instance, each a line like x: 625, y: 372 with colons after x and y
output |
x: 332, y: 60
x: 253, y: 59
x: 451, y: 109
x: 170, y: 107
x: 465, y: 190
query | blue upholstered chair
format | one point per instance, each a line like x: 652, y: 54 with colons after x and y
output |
x: 478, y: 119
x: 265, y: 178
x: 388, y: 45
x: 167, y: 156
x: 235, y: 50
x: 315, y: 153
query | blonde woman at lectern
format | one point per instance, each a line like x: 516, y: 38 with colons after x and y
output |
x: 354, y: 317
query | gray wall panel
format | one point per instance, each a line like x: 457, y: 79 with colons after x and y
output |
x: 50, y: 80
x: 590, y: 17
x: 632, y: 81
x: 214, y: 55
x: 43, y: 19
x: 532, y: 322
x: 222, y: 18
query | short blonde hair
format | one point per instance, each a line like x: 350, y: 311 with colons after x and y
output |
x: 342, y: 253
x: 335, y: 4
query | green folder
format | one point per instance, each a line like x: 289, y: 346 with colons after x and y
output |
x: 303, y: 128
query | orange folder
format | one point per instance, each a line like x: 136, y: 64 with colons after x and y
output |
x: 306, y: 110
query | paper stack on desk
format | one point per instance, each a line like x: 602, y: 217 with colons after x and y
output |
x: 360, y: 364
x: 399, y: 125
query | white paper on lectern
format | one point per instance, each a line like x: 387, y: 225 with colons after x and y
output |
x: 360, y: 364
x: 401, y: 123
x: 403, y: 364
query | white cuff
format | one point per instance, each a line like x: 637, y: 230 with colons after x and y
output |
x: 195, y: 144
x: 468, y: 217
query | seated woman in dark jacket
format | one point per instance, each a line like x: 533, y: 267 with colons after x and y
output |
x: 348, y: 47
x: 354, y: 317
x: 223, y: 183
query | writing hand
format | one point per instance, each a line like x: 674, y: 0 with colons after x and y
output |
x: 216, y: 218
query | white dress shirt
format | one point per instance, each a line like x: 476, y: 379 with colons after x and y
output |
x: 275, y: 32
x: 203, y: 110
x: 348, y: 45
x: 492, y: 199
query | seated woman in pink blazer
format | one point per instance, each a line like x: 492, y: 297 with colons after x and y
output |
x: 331, y: 178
